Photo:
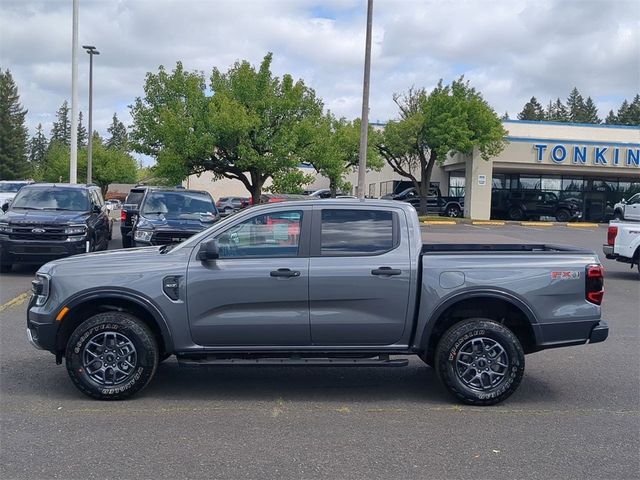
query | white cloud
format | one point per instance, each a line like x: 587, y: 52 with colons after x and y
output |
x: 510, y: 50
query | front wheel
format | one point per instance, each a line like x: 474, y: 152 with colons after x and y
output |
x: 515, y: 213
x: 452, y: 211
x: 479, y: 361
x: 111, y: 356
x: 563, y: 215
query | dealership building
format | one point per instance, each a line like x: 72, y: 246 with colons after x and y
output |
x: 593, y: 165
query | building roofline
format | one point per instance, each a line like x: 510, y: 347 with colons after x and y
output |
x: 571, y: 124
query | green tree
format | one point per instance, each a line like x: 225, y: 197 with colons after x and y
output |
x: 108, y: 165
x: 253, y: 126
x: 61, y: 130
x: 611, y: 119
x: 335, y: 150
x: 118, y: 134
x: 532, y: 110
x: 629, y: 113
x: 590, y: 113
x: 451, y: 119
x: 290, y: 181
x: 575, y: 105
x: 505, y: 116
x: 557, y: 112
x: 37, y: 148
x: 13, y: 131
x: 83, y: 136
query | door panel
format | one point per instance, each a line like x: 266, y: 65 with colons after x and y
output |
x: 349, y: 305
x: 257, y: 292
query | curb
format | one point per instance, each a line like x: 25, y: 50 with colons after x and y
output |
x: 440, y: 222
x: 538, y: 224
x: 583, y: 225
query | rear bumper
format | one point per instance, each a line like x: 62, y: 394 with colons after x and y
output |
x: 555, y: 335
x: 608, y: 251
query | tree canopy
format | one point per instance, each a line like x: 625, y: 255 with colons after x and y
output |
x: 13, y: 131
x: 251, y: 127
x: 61, y: 129
x: 532, y: 110
x: 118, y: 134
x: 450, y: 119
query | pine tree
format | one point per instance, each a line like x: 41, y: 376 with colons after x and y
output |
x: 590, y: 112
x: 37, y: 148
x: 575, y: 104
x: 629, y: 113
x: 61, y: 130
x: 119, y: 138
x: 624, y: 113
x: 13, y: 131
x: 611, y: 119
x: 83, y: 136
x: 532, y: 111
x: 505, y: 116
x: 557, y: 112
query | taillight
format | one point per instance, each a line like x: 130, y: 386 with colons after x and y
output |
x: 123, y: 215
x: 612, y: 232
x: 594, y: 283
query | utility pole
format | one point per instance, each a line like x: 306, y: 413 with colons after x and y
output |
x: 73, y: 157
x: 91, y: 50
x: 364, y: 123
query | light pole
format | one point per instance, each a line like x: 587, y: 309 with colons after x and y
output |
x: 364, y: 122
x: 91, y: 50
x: 73, y: 148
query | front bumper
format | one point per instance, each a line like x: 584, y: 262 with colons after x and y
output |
x: 42, y: 330
x: 38, y: 251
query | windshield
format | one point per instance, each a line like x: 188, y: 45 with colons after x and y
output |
x: 11, y: 187
x: 52, y: 198
x: 178, y: 204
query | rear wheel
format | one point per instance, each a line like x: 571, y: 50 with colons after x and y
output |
x: 452, y: 211
x: 515, y: 213
x: 618, y: 215
x: 480, y: 361
x: 111, y: 356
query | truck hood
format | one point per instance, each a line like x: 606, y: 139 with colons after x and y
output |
x: 124, y: 259
x: 191, y: 223
x: 51, y: 217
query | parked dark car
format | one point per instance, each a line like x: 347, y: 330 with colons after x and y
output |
x: 168, y: 215
x: 436, y: 203
x: 533, y: 204
x: 228, y: 205
x: 46, y: 221
x: 129, y: 212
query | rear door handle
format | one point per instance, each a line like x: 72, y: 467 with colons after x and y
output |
x: 284, y: 273
x: 386, y: 271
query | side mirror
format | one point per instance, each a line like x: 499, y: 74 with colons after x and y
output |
x: 5, y: 207
x: 623, y: 201
x: 208, y: 251
x: 96, y: 209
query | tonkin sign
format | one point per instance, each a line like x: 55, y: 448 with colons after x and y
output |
x: 594, y: 155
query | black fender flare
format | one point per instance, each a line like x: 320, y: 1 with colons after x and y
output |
x: 81, y: 298
x: 494, y: 293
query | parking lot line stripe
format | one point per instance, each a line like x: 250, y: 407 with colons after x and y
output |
x: 487, y: 222
x: 438, y: 222
x: 582, y: 225
x: 15, y: 301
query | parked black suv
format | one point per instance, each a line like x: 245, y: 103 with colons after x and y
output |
x: 533, y: 204
x: 47, y: 221
x: 437, y: 204
x: 168, y: 215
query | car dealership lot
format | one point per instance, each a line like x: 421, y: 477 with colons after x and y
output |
x: 576, y: 414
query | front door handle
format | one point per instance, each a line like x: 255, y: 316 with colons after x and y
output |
x: 284, y: 273
x: 386, y: 271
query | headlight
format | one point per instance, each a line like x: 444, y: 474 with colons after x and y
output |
x: 76, y: 230
x: 143, y: 235
x: 5, y: 228
x: 40, y: 288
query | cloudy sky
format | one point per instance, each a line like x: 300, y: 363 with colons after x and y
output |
x: 509, y: 49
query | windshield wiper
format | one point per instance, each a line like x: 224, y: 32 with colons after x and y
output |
x: 28, y: 208
x: 153, y: 213
x: 63, y: 209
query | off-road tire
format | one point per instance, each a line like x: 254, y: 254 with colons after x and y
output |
x: 452, y: 211
x: 126, y: 326
x: 448, y: 353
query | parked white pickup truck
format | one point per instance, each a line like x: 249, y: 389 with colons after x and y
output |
x: 623, y: 243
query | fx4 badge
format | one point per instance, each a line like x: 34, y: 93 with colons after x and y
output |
x: 573, y: 275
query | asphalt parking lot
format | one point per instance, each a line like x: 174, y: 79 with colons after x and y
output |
x: 576, y: 414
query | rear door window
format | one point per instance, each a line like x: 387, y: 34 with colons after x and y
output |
x: 358, y: 232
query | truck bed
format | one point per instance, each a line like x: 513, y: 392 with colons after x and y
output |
x: 449, y: 248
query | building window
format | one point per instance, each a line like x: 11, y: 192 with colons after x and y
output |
x: 456, y: 184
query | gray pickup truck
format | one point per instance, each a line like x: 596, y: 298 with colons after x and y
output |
x: 334, y: 283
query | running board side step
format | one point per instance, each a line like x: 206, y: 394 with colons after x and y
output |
x: 293, y: 362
